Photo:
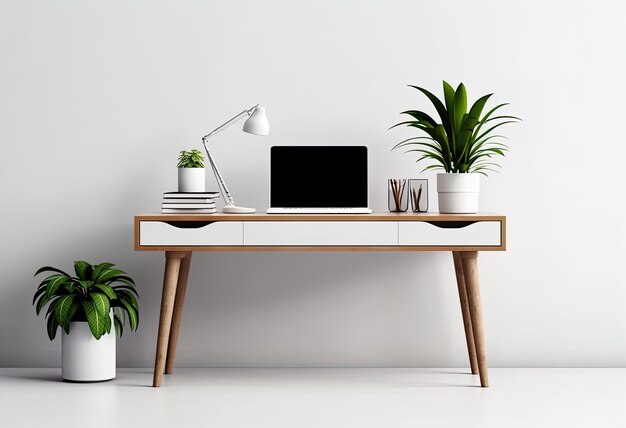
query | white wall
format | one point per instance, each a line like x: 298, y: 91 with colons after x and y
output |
x: 97, y: 98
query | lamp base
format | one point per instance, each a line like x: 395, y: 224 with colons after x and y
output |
x: 232, y: 209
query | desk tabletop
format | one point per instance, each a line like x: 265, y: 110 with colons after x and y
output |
x: 384, y: 216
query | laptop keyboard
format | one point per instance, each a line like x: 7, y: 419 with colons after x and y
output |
x: 319, y: 211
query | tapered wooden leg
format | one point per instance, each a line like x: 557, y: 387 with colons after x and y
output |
x: 177, y: 315
x: 469, y: 261
x: 467, y: 319
x: 170, y: 279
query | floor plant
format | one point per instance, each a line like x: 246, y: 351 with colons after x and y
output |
x: 89, y: 296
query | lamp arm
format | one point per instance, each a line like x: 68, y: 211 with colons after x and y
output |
x: 220, y: 181
x: 230, y: 122
x: 218, y: 177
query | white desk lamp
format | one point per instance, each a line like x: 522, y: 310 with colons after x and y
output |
x: 256, y: 124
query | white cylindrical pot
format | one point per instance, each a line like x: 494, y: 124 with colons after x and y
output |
x: 86, y: 359
x: 191, y: 180
x: 458, y: 193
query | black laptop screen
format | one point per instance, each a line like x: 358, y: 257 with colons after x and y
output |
x: 318, y: 176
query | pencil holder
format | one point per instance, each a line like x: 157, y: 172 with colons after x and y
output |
x: 418, y: 194
x: 397, y: 195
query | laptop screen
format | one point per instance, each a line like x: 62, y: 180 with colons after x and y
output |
x: 318, y: 177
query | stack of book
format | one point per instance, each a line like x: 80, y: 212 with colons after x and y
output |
x: 189, y: 203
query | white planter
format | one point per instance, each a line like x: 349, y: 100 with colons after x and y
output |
x: 191, y: 180
x: 458, y: 193
x: 86, y: 359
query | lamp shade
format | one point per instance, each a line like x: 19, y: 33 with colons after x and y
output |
x: 257, y: 123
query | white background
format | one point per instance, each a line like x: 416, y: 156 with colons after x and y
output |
x: 97, y: 98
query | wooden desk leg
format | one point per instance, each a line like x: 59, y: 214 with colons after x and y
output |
x: 177, y: 315
x: 465, y: 311
x: 172, y: 266
x: 469, y: 259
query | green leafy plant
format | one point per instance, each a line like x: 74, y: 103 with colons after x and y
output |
x: 89, y: 296
x: 191, y: 159
x: 464, y: 140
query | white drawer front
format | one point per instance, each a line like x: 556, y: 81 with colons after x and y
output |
x: 481, y: 233
x: 159, y: 233
x: 321, y: 233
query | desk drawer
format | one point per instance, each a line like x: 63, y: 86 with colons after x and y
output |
x: 160, y: 233
x: 321, y: 233
x: 442, y: 233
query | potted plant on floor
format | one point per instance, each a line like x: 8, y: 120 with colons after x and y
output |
x: 463, y: 145
x: 86, y: 306
x: 191, y: 176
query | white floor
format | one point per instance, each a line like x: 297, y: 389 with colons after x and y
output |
x: 301, y: 398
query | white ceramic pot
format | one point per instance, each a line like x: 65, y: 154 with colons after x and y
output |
x: 458, y: 193
x: 191, y: 180
x: 86, y: 359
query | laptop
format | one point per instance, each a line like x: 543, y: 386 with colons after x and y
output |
x: 318, y: 180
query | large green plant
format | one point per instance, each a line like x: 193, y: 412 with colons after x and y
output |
x: 464, y: 140
x: 191, y: 159
x: 89, y: 296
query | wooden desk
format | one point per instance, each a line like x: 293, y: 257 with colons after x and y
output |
x: 180, y: 235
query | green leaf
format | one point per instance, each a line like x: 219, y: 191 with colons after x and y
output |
x: 93, y: 320
x: 101, y: 303
x: 70, y: 314
x: 62, y: 311
x: 45, y: 282
x: 122, y: 278
x: 52, y: 327
x: 503, y: 117
x: 125, y: 287
x: 463, y: 140
x: 460, y: 106
x: 51, y: 307
x: 478, y: 144
x: 132, y: 314
x: 107, y: 289
x: 50, y: 269
x: 41, y: 303
x: 441, y: 110
x: 485, y: 118
x: 107, y: 274
x: 83, y: 269
x: 407, y: 122
x: 494, y: 127
x: 428, y: 154
x: 54, y: 285
x: 431, y: 167
x: 417, y: 141
x: 97, y: 269
x: 130, y: 298
x: 448, y: 93
x: 478, y: 106
x: 107, y: 324
x: 119, y: 327
x: 442, y: 139
x: 421, y: 116
x: 38, y: 293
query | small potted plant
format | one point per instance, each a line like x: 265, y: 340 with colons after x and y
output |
x: 86, y: 306
x: 191, y: 171
x: 462, y: 144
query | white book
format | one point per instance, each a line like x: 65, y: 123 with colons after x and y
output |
x: 201, y: 195
x: 188, y: 206
x: 188, y: 200
x: 188, y: 211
